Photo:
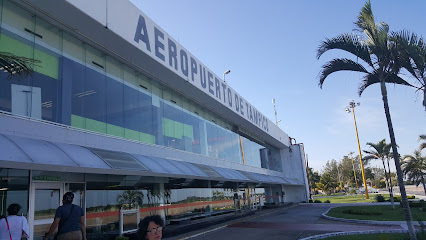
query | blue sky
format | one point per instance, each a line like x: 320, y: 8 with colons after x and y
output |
x: 270, y: 48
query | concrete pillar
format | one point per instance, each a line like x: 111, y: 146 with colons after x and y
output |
x: 162, y: 201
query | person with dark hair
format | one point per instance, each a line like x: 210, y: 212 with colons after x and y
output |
x: 14, y: 227
x: 69, y: 219
x: 151, y: 228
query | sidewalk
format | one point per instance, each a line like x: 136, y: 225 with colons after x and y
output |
x: 172, y: 232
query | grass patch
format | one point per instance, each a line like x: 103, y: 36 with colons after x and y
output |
x: 378, y: 236
x: 362, y: 212
x: 350, y: 198
x: 387, y: 213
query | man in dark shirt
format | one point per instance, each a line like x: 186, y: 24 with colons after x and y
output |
x: 69, y: 219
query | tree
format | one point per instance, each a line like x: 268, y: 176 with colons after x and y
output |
x: 375, y: 175
x: 314, y: 178
x: 375, y: 48
x: 131, y: 197
x: 423, y: 144
x: 16, y: 65
x: 327, y: 183
x: 331, y: 167
x: 414, y: 167
x: 347, y: 170
x: 381, y: 152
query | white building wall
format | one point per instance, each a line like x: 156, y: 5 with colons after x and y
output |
x: 294, y: 167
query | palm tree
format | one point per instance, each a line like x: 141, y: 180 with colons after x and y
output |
x: 423, y: 144
x: 375, y: 48
x: 381, y: 152
x: 131, y: 198
x: 327, y: 183
x: 412, y: 57
x: 16, y: 65
x: 414, y: 167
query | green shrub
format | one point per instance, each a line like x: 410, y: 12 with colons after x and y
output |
x: 121, y: 238
x: 327, y: 201
x: 397, y: 198
x: 311, y: 201
x: 317, y: 201
x: 362, y: 212
x: 380, y: 198
x: 353, y: 191
x: 419, y: 204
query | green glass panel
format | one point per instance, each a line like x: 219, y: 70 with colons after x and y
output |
x: 131, y: 134
x: 81, y: 122
x: 188, y: 131
x: 49, y: 64
x: 115, y: 130
x: 176, y: 129
x: 147, y: 138
x: 77, y: 121
x: 96, y: 126
x: 168, y: 128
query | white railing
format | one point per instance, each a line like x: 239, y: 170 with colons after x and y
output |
x: 121, y: 221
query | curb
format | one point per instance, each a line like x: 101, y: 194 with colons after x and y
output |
x: 373, y: 222
x: 382, y: 223
x: 335, y: 234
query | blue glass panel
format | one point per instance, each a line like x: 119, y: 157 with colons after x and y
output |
x: 95, y: 98
x: 114, y: 91
x: 73, y: 72
x: 132, y: 113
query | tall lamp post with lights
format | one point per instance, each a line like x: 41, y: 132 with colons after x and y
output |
x: 352, y: 106
x: 225, y: 73
x: 275, y: 110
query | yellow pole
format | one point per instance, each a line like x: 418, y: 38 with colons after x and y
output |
x: 360, y: 156
x: 244, y: 162
x: 242, y: 151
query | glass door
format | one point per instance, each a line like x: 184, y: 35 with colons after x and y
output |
x: 44, y: 200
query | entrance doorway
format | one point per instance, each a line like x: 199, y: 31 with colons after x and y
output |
x: 45, y: 197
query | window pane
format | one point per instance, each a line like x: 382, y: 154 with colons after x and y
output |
x: 114, y: 98
x: 94, y: 92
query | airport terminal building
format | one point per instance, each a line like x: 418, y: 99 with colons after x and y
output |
x: 121, y: 114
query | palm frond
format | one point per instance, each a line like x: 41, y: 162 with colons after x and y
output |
x: 373, y: 78
x: 412, y: 53
x: 369, y: 157
x: 347, y: 42
x: 16, y: 65
x: 366, y: 23
x: 422, y: 145
x: 339, y: 64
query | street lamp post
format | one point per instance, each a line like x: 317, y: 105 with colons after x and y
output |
x: 352, y: 105
x: 226, y: 72
x: 276, y: 119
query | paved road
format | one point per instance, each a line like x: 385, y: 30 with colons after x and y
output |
x: 293, y: 223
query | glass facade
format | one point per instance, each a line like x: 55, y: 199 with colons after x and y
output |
x: 77, y: 85
x: 14, y: 187
x: 176, y: 199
